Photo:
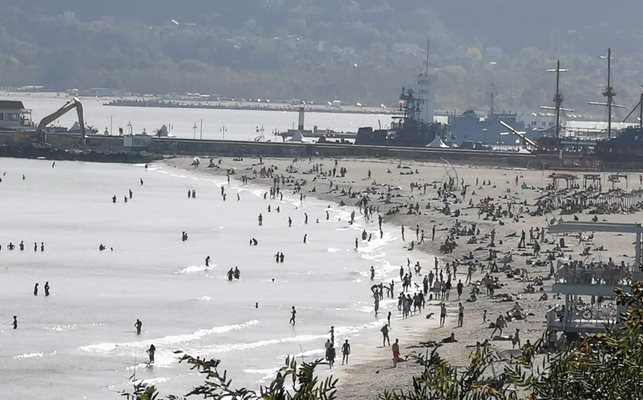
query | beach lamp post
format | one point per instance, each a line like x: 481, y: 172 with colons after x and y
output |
x: 194, y: 131
x: 223, y: 131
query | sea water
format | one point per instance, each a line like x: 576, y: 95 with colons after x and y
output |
x: 80, y: 342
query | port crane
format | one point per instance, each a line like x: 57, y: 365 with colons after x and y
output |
x: 527, y: 143
x: 71, y: 104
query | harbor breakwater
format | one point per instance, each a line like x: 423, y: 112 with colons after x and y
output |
x: 112, y: 148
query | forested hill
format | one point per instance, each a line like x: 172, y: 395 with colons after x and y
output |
x: 356, y: 50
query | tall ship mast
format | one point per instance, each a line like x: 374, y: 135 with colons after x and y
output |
x: 609, y: 93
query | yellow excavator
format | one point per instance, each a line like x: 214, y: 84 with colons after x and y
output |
x: 71, y: 104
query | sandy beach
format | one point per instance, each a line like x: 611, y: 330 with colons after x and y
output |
x: 406, y: 194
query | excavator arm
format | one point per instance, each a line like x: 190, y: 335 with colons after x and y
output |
x: 73, y: 103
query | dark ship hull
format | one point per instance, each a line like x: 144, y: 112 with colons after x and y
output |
x: 626, y: 148
x: 406, y: 136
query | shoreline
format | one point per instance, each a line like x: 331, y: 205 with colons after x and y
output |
x: 369, y: 360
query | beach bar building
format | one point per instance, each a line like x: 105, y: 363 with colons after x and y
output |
x: 14, y: 116
x: 590, y: 304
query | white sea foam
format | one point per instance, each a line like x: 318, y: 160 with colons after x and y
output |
x: 195, y: 268
x: 167, y: 340
x: 33, y: 355
x: 155, y: 381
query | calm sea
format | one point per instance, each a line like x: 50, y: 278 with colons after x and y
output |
x: 80, y: 342
x: 191, y: 123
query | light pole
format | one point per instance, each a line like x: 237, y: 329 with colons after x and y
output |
x: 223, y: 131
x: 111, y: 123
x: 194, y: 130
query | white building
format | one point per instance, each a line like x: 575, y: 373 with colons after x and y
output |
x: 14, y: 116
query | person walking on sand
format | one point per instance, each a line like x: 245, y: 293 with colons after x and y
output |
x: 293, y: 314
x: 501, y: 324
x: 396, y: 352
x: 150, y: 353
x: 346, y: 350
x: 47, y: 288
x: 460, y: 315
x: 459, y: 287
x: 330, y: 355
x: 35, y: 290
x: 443, y: 314
x: 138, y: 325
x: 15, y: 322
x: 515, y: 340
x: 385, y: 337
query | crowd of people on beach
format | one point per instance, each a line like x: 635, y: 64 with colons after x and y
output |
x: 479, y: 275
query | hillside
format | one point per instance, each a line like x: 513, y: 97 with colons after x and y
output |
x: 354, y: 50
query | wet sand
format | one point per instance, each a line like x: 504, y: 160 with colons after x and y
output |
x: 390, y: 187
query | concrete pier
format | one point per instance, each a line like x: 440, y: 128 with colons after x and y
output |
x: 225, y: 148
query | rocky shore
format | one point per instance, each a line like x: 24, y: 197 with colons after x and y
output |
x: 32, y: 150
